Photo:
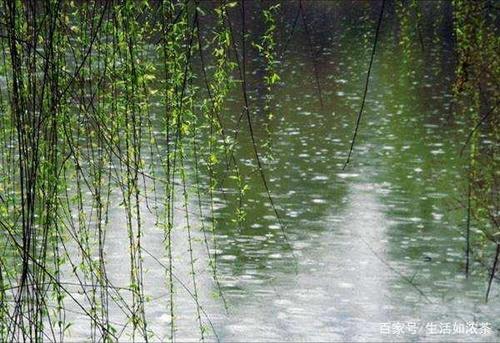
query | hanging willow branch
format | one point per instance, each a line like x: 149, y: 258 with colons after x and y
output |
x: 358, y: 120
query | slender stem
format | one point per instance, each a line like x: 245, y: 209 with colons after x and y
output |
x: 358, y: 119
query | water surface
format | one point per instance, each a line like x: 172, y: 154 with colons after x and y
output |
x: 378, y: 242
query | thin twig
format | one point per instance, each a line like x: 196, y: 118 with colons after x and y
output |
x: 358, y: 120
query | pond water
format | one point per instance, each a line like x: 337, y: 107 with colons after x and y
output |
x: 368, y: 248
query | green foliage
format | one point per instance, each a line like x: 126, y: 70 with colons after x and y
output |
x: 97, y: 137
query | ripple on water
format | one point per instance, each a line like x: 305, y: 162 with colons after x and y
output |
x: 319, y: 178
x: 347, y: 175
x: 437, y: 152
x: 227, y: 257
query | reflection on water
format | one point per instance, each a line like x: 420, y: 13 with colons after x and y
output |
x: 377, y: 242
